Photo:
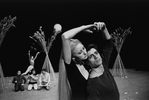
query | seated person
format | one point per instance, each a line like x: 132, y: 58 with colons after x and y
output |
x: 19, y: 81
x: 32, y: 84
x: 44, y: 80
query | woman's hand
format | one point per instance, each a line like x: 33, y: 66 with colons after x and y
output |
x: 89, y: 28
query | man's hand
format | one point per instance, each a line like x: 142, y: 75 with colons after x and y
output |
x: 100, y: 25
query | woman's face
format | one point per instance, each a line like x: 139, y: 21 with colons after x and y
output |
x: 94, y: 58
x: 80, y: 51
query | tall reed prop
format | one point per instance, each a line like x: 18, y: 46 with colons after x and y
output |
x: 39, y: 37
x: 5, y: 25
x: 119, y: 37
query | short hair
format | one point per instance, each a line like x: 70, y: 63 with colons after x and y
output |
x: 92, y: 46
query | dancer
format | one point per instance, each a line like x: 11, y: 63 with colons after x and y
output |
x: 101, y: 84
x: 19, y: 82
x: 73, y: 86
x: 33, y: 78
x: 32, y: 60
x: 44, y: 80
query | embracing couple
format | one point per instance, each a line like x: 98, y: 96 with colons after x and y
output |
x: 75, y: 81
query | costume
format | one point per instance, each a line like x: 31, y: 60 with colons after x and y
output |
x: 19, y: 80
x: 103, y: 87
x: 32, y: 82
x: 44, y: 80
x: 29, y: 69
x: 77, y: 82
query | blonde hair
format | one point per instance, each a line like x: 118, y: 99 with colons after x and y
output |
x: 74, y: 43
x: 64, y: 89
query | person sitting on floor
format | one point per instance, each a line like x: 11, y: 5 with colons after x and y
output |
x: 44, y: 80
x: 32, y: 84
x: 19, y: 81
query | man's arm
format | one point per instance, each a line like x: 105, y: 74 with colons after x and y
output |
x: 14, y: 80
x: 108, y: 45
x: 24, y: 79
x: 102, y: 26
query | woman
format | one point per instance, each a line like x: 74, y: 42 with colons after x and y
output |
x: 33, y: 79
x: 32, y: 60
x: 72, y: 72
x: 101, y: 84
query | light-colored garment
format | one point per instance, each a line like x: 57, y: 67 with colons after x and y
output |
x: 44, y: 78
x: 32, y: 60
x: 28, y: 69
x: 31, y: 86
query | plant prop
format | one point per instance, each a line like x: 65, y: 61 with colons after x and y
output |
x: 5, y: 25
x: 119, y: 37
x: 39, y: 37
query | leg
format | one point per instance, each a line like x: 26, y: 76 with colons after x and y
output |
x: 47, y: 87
x: 22, y: 87
x: 16, y: 88
x: 30, y: 87
x: 35, y: 86
x: 39, y: 87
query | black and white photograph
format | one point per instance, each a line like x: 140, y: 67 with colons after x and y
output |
x: 74, y: 50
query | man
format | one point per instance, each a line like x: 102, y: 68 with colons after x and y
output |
x: 101, y: 84
x: 33, y: 81
x: 44, y: 80
x: 19, y: 81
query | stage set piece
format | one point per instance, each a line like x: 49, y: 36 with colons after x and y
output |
x: 5, y: 25
x: 119, y: 37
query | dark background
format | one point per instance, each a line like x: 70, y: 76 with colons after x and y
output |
x: 72, y: 13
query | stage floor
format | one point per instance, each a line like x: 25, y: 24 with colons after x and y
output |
x: 135, y: 87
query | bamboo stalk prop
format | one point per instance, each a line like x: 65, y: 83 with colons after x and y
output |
x: 40, y: 36
x: 119, y: 37
x: 5, y: 25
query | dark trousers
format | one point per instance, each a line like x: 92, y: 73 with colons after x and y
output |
x: 19, y: 87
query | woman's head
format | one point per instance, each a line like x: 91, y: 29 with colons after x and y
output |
x: 78, y: 50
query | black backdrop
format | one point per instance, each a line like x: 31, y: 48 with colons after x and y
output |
x: 72, y: 13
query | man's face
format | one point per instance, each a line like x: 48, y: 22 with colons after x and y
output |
x: 94, y: 58
x: 19, y: 73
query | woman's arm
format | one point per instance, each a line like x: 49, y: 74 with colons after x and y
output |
x: 29, y: 55
x: 66, y: 36
x: 36, y: 56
